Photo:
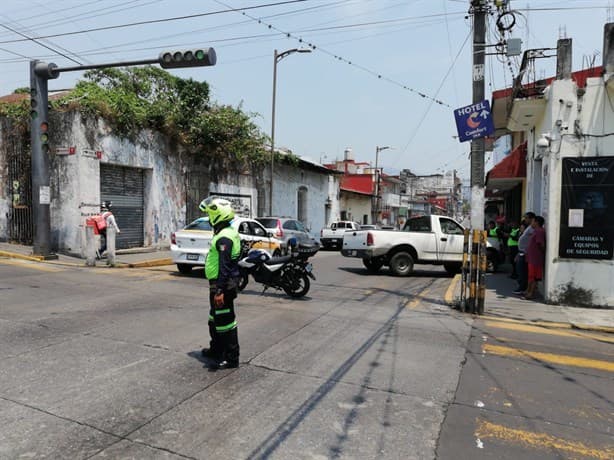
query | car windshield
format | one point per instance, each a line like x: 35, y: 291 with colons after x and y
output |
x: 267, y: 222
x: 199, y: 224
x: 300, y: 227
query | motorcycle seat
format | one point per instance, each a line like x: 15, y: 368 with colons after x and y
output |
x: 278, y: 260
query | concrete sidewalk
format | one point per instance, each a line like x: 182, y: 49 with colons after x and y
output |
x: 501, y: 303
x: 125, y: 258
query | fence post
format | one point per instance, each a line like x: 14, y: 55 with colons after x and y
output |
x: 90, y: 246
x: 475, y: 238
x: 111, y: 245
x: 464, y: 272
x: 482, y: 273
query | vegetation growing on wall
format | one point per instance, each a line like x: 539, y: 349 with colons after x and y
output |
x: 137, y: 98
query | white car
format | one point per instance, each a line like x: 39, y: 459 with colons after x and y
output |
x: 190, y: 245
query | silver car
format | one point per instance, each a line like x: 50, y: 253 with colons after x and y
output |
x: 284, y: 228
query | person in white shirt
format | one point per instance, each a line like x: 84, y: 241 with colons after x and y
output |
x: 109, y: 218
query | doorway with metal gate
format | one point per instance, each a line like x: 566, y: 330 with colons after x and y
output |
x: 123, y: 187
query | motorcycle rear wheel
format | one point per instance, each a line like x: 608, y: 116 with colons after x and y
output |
x: 298, y: 286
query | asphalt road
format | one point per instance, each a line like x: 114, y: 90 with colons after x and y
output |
x: 104, y: 363
x: 532, y: 392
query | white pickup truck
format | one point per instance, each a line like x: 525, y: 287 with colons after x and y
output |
x: 332, y: 236
x: 436, y: 240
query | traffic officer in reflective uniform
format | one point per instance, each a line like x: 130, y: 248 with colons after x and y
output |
x: 222, y: 271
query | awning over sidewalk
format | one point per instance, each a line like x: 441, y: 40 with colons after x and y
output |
x: 509, y: 172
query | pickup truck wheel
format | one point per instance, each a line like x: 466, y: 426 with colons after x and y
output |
x: 401, y: 264
x: 453, y: 267
x: 372, y: 265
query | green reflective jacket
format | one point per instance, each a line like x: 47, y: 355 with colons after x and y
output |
x: 212, y: 264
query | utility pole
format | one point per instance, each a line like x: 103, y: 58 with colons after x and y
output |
x: 479, y: 9
x: 375, y: 209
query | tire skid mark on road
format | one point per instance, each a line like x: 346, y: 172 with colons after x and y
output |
x: 487, y: 430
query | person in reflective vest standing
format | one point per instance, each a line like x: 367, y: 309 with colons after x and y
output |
x: 222, y: 271
x: 512, y: 246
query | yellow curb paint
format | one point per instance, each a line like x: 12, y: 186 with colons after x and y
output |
x: 487, y: 430
x: 151, y: 263
x: 555, y: 325
x: 543, y: 330
x: 39, y: 267
x: 449, y: 296
x: 526, y: 321
x: 552, y: 358
x: 16, y: 255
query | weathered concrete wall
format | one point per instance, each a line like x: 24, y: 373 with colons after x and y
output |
x: 75, y: 183
x: 75, y: 180
x: 288, y: 180
x: 572, y: 281
x: 356, y: 206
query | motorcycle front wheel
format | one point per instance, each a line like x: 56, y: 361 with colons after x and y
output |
x: 243, y: 280
x: 296, y: 284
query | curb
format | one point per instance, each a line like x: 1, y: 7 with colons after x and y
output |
x: 588, y: 327
x: 550, y: 324
x: 148, y: 263
x: 16, y: 255
x: 449, y: 296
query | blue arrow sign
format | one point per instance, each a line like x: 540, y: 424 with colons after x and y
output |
x: 474, y: 121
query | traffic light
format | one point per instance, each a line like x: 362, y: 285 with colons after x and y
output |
x: 188, y: 58
x: 47, y: 71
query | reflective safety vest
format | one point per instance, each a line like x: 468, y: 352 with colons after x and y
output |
x: 493, y: 233
x: 513, y: 238
x: 212, y: 264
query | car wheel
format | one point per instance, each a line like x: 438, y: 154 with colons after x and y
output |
x: 276, y: 253
x: 453, y: 267
x: 372, y: 265
x: 402, y: 264
x: 184, y: 269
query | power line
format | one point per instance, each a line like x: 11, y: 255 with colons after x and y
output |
x: 83, y: 15
x: 157, y: 21
x: 339, y: 58
x: 438, y: 89
x: 40, y: 43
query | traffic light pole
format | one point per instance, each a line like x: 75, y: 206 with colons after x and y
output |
x: 41, y: 195
x: 40, y: 74
x: 479, y: 8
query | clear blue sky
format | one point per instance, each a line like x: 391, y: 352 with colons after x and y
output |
x: 323, y: 104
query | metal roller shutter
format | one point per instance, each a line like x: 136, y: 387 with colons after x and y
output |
x: 124, y: 187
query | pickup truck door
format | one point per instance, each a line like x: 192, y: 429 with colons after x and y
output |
x: 450, y: 241
x: 423, y: 237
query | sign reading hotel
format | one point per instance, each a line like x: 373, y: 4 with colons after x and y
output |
x: 474, y: 121
x: 587, y: 208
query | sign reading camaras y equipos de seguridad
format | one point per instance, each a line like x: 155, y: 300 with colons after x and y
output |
x: 474, y: 121
x: 587, y: 208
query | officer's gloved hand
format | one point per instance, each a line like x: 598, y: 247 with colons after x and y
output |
x: 218, y: 299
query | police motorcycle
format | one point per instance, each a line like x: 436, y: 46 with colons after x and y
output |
x: 289, y: 273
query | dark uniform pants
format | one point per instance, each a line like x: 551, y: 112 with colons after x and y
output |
x: 223, y: 327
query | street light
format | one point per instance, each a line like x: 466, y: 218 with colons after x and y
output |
x: 276, y: 58
x: 377, y: 176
